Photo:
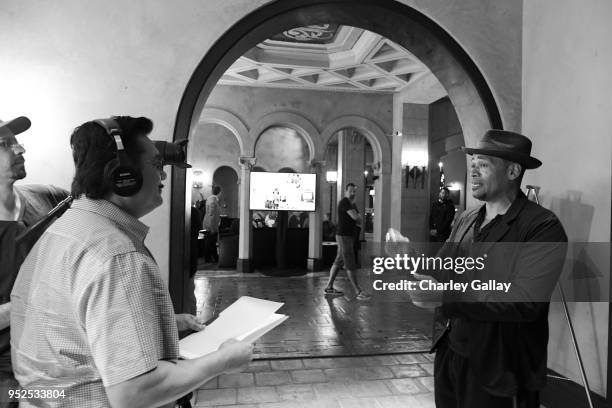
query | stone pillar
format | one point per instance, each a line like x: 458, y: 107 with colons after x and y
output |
x: 382, y: 187
x: 244, y: 240
x: 341, y: 178
x: 396, y: 163
x: 353, y: 166
x: 315, y: 219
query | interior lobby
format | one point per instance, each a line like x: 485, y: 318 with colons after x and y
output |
x: 379, y: 93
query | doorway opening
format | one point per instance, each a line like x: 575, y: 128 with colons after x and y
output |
x: 428, y: 44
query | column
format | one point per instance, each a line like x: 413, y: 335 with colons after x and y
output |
x: 244, y: 240
x: 315, y: 219
x: 396, y: 163
x: 353, y: 166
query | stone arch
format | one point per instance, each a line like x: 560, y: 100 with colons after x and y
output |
x: 231, y: 122
x: 231, y: 165
x: 292, y: 120
x: 466, y: 85
x: 372, y: 132
x: 382, y: 154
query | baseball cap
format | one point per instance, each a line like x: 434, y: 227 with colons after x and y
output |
x: 14, y: 127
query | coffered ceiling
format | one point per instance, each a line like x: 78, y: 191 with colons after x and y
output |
x: 333, y: 57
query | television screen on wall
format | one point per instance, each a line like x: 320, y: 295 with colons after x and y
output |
x: 283, y: 191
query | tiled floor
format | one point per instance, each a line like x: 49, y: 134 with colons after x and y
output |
x: 402, y: 380
x: 323, y: 327
x: 320, y: 325
x: 332, y: 352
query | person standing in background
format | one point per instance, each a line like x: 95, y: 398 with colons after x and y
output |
x: 441, y: 217
x: 20, y: 207
x: 212, y: 218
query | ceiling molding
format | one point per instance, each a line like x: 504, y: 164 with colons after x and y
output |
x: 356, y: 60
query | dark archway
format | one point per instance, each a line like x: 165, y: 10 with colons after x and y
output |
x: 428, y: 41
x: 226, y: 178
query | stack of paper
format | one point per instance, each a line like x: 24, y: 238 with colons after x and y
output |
x: 247, y: 319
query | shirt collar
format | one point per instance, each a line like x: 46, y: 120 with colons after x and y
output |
x: 126, y: 222
x: 514, y: 210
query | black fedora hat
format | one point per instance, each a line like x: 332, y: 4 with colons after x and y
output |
x: 506, y: 145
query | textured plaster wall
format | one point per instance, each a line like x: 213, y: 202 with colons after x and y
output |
x: 280, y: 147
x: 250, y: 104
x: 210, y: 147
x: 415, y: 201
x: 446, y: 138
x: 490, y: 32
x: 63, y: 64
x: 566, y: 111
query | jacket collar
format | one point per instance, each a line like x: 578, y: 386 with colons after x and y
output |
x: 498, y: 232
x: 515, y: 208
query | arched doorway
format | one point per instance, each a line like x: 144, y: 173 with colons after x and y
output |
x: 227, y: 178
x: 452, y: 66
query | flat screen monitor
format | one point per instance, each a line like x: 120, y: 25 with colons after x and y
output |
x: 283, y: 191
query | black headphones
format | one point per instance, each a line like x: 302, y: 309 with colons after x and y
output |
x: 124, y: 178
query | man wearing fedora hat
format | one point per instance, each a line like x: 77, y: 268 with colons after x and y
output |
x: 493, y: 351
x: 20, y: 207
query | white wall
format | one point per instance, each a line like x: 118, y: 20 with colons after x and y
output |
x: 567, y: 57
x: 65, y: 63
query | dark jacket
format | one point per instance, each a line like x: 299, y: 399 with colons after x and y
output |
x: 441, y: 218
x: 508, y: 340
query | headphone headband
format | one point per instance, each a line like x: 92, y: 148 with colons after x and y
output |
x: 111, y: 126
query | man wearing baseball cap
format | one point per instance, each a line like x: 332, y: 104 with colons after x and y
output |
x: 20, y: 207
x: 493, y: 349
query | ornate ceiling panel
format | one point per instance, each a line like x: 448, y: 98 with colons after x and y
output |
x: 314, y: 34
x: 328, y: 57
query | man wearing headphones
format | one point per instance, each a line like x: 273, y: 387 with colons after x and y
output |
x: 91, y: 316
x: 20, y: 207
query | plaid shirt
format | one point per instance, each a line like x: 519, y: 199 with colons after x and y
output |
x: 90, y: 309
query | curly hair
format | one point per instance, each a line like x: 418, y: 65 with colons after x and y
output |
x: 93, y: 148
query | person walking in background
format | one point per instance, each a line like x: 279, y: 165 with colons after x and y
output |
x: 212, y: 218
x: 348, y: 219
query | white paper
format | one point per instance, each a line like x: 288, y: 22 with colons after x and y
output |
x: 247, y: 319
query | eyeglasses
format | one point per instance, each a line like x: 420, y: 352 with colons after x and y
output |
x: 15, y: 147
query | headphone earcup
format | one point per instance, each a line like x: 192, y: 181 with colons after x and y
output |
x: 125, y: 180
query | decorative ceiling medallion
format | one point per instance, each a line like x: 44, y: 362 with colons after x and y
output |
x: 312, y: 34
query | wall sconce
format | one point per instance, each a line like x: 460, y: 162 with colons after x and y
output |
x: 454, y: 190
x: 198, y: 179
x: 415, y: 163
x: 331, y: 176
x: 415, y: 173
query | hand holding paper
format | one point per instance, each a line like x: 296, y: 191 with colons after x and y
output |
x: 247, y: 319
x: 239, y: 354
x: 185, y: 321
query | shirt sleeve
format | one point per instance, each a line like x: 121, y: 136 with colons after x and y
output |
x: 121, y: 320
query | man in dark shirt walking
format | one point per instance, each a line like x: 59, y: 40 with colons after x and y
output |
x: 441, y: 217
x: 348, y: 220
